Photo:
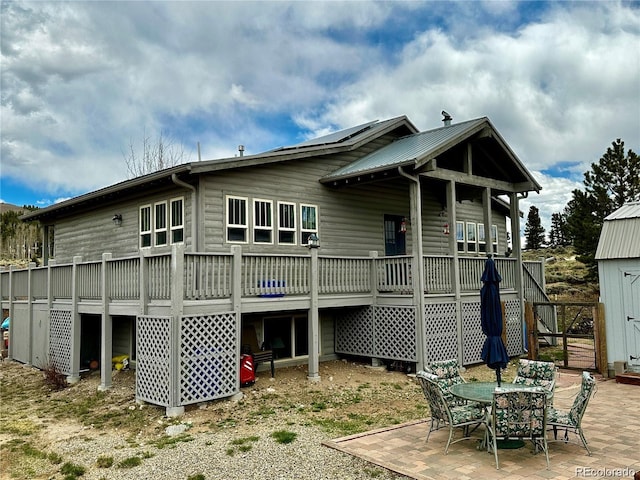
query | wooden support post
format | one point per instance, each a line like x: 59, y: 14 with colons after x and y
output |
x: 532, y: 337
x: 75, y: 338
x: 600, y: 339
x: 106, y: 337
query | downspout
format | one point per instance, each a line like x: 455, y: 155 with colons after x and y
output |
x: 195, y: 243
x: 417, y: 265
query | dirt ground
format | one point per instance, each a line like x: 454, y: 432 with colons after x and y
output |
x: 351, y: 397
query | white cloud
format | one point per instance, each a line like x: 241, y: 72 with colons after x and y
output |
x: 81, y: 79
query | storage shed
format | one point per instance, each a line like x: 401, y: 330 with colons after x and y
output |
x: 618, y: 257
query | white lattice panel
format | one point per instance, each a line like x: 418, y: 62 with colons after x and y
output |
x: 354, y: 332
x: 514, y: 327
x: 441, y: 332
x: 153, y: 360
x: 209, y: 361
x: 395, y: 333
x: 472, y: 336
x: 60, y: 334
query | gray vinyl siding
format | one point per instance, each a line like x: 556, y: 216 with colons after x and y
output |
x: 350, y: 219
x: 91, y: 235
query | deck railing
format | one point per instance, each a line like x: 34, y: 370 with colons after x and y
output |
x: 207, y: 276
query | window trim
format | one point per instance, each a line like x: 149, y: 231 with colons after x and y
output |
x: 142, y: 233
x: 308, y: 231
x: 262, y: 228
x: 159, y: 230
x: 472, y: 227
x: 293, y: 229
x: 180, y: 226
x: 238, y: 226
x: 461, y: 241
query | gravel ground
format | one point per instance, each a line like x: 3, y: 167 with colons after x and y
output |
x: 208, y: 454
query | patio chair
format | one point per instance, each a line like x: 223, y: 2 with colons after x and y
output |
x: 519, y: 414
x: 443, y: 414
x: 572, y: 420
x: 536, y: 373
x: 448, y: 373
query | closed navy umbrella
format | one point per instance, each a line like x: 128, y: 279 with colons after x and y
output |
x: 494, y: 353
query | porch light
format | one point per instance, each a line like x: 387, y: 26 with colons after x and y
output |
x: 403, y: 225
x: 313, y: 241
x: 117, y: 219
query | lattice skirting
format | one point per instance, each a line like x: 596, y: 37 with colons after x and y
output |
x: 60, y: 335
x: 441, y: 332
x: 380, y: 332
x: 186, y: 360
x: 389, y: 332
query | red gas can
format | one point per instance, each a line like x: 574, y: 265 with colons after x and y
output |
x: 247, y: 371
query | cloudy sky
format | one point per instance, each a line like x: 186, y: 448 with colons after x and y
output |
x: 83, y: 81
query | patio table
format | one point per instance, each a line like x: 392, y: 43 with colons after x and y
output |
x: 482, y: 392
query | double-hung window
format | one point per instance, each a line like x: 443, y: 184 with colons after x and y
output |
x: 237, y: 223
x: 482, y: 239
x: 494, y: 237
x: 308, y: 222
x: 286, y: 223
x: 460, y: 236
x: 160, y: 224
x: 145, y: 226
x: 177, y: 220
x: 471, y: 237
x: 262, y: 221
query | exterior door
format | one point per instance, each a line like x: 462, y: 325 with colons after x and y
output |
x: 394, y: 236
x: 631, y: 302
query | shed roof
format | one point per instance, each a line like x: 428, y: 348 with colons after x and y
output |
x: 620, y: 233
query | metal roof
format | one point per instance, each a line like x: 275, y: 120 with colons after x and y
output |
x: 406, y: 149
x: 620, y: 234
x: 351, y: 133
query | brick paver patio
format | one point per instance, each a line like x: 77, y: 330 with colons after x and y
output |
x: 611, y: 425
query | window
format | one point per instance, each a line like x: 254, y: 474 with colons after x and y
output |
x: 262, y: 221
x: 482, y: 241
x: 237, y: 224
x: 286, y: 223
x: 460, y: 236
x: 160, y: 224
x: 494, y: 237
x: 177, y: 220
x: 308, y: 222
x: 145, y: 226
x: 471, y: 237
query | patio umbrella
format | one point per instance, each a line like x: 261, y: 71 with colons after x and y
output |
x: 5, y: 324
x: 494, y: 353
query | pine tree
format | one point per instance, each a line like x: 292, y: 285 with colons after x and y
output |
x: 558, y: 232
x: 612, y: 182
x: 533, y: 230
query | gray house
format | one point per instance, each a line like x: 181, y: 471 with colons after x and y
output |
x: 169, y: 268
x: 618, y: 256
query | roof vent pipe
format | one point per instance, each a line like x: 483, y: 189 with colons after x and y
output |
x: 447, y: 118
x: 241, y: 150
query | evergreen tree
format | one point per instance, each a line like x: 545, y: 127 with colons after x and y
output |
x: 533, y: 230
x: 612, y: 182
x: 558, y: 232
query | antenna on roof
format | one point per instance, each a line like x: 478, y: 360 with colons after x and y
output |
x: 447, y: 118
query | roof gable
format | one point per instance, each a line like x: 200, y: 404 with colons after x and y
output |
x: 620, y: 231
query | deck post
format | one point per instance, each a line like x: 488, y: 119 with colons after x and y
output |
x: 177, y: 309
x: 455, y: 265
x: 106, y: 337
x: 515, y: 241
x: 75, y: 337
x: 30, y: 313
x: 11, y: 317
x: 314, y: 320
x: 236, y: 301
